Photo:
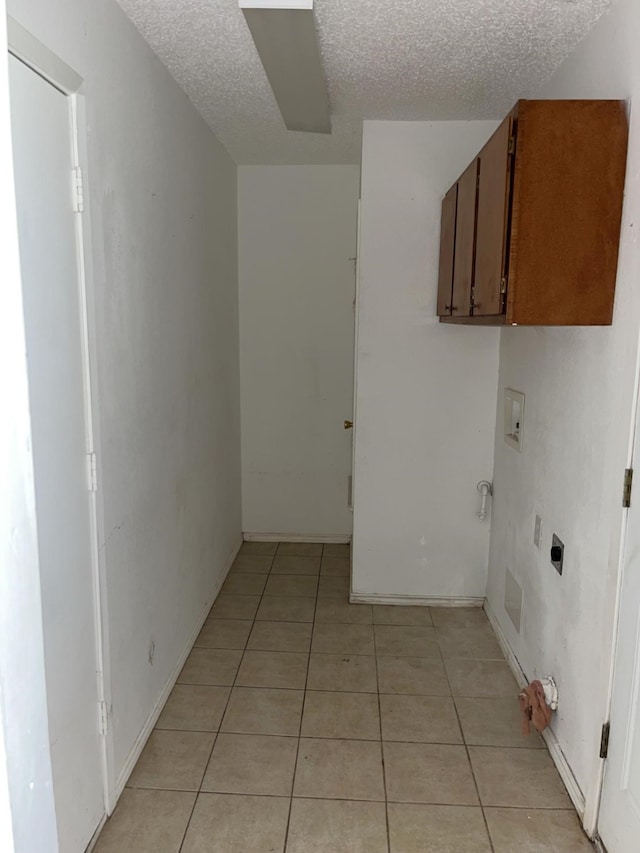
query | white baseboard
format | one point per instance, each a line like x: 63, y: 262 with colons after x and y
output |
x: 415, y: 600
x: 152, y: 719
x: 96, y: 834
x: 329, y: 538
x: 555, y: 750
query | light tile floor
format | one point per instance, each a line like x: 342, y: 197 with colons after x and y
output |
x: 306, y: 724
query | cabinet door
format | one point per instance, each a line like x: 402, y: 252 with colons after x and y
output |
x: 465, y: 242
x: 493, y: 205
x: 447, y: 248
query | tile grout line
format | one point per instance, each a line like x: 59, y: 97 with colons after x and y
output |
x: 215, y: 740
x: 382, y: 756
x: 466, y: 749
x: 304, y: 702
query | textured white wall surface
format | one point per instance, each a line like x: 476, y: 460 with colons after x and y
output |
x: 27, y: 816
x: 382, y: 59
x: 297, y: 241
x: 162, y: 207
x: 426, y: 392
x: 578, y: 384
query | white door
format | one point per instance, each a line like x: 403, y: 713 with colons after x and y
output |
x: 42, y: 145
x: 619, y: 819
x: 355, y: 359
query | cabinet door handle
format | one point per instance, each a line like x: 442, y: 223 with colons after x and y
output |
x: 450, y: 307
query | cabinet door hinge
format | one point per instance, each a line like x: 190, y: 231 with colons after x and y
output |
x: 512, y: 145
x: 92, y: 472
x: 604, y: 740
x: 626, y: 487
x: 78, y: 189
x: 103, y: 719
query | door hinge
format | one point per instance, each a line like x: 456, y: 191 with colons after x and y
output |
x: 512, y: 145
x: 103, y: 718
x: 604, y: 740
x: 78, y: 189
x: 626, y: 487
x: 92, y: 472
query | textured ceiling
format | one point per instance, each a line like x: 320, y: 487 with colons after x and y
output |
x: 383, y: 59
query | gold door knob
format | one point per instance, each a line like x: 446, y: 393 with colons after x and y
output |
x: 348, y: 424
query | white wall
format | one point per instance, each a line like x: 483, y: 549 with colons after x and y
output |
x: 578, y: 384
x: 162, y: 206
x: 426, y: 392
x: 297, y: 239
x: 27, y: 817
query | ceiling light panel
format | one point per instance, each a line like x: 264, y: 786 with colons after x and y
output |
x: 284, y: 34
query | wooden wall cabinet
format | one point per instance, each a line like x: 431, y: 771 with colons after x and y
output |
x: 530, y: 230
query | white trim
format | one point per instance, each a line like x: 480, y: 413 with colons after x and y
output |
x: 328, y: 538
x: 555, y: 750
x: 36, y: 55
x: 414, y: 600
x: 151, y: 720
x: 276, y: 5
x: 96, y: 834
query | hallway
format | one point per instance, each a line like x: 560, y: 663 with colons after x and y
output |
x: 395, y: 728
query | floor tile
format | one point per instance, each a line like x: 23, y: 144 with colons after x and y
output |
x: 235, y: 607
x: 224, y: 634
x: 524, y: 778
x: 429, y: 773
x: 262, y: 711
x: 429, y: 719
x: 395, y: 614
x: 273, y: 669
x: 252, y: 764
x: 409, y: 641
x: 211, y: 666
x: 336, y: 549
x: 418, y: 676
x: 281, y: 636
x: 458, y: 616
x: 336, y: 567
x: 438, y: 829
x: 296, y: 566
x: 244, y: 583
x: 147, y: 822
x: 333, y: 587
x: 494, y: 722
x: 341, y: 715
x: 471, y: 641
x: 305, y: 586
x: 480, y: 678
x: 341, y: 612
x: 229, y: 823
x: 195, y: 708
x: 300, y: 549
x: 253, y: 563
x: 529, y: 831
x: 251, y: 548
x: 343, y: 639
x: 338, y: 826
x: 282, y: 608
x: 354, y: 673
x: 339, y: 769
x: 173, y: 760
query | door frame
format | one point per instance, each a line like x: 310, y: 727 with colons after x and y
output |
x: 44, y: 62
x: 592, y: 816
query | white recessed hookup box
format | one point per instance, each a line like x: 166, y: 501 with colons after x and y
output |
x: 513, y: 418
